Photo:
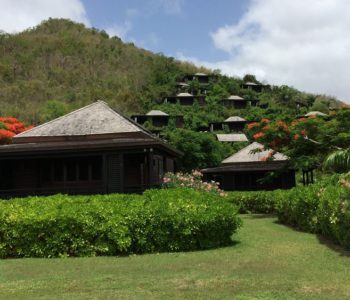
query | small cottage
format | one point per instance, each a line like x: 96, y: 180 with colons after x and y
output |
x: 158, y: 119
x: 185, y: 99
x: 249, y: 169
x: 93, y: 150
x: 256, y: 87
x: 235, y: 102
x: 202, y: 78
x: 234, y: 124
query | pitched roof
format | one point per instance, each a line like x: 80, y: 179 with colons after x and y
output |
x: 96, y: 118
x: 234, y: 97
x: 184, y: 95
x: 156, y: 113
x: 232, y: 137
x: 246, y: 155
x: 201, y: 74
x: 315, y: 113
x: 250, y: 83
x: 235, y: 119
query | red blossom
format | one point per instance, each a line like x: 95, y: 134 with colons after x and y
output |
x: 266, y: 121
x: 252, y: 125
x: 258, y: 135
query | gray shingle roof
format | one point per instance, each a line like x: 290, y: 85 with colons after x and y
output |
x: 96, y: 118
x: 234, y: 97
x: 315, y: 113
x: 246, y: 155
x: 235, y: 119
x: 232, y: 137
x: 156, y: 113
x: 184, y: 95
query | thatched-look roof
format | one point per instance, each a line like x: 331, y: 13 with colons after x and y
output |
x: 315, y: 113
x: 248, y: 155
x: 232, y: 137
x: 235, y: 98
x: 156, y: 113
x: 235, y: 119
x: 250, y: 83
x: 184, y: 95
x: 96, y: 118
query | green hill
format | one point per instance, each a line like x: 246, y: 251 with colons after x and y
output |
x: 61, y: 65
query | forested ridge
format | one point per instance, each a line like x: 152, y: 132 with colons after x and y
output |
x: 60, y: 65
x: 65, y: 62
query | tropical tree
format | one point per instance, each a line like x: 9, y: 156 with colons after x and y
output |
x: 338, y: 161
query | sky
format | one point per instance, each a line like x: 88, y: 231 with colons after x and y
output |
x: 300, y: 43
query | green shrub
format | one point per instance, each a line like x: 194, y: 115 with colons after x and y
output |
x: 159, y: 220
x: 261, y: 202
x: 323, y: 209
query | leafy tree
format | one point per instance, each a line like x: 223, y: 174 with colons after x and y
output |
x: 339, y: 161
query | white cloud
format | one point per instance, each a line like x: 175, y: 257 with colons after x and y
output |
x: 17, y: 15
x: 301, y: 43
x: 119, y: 30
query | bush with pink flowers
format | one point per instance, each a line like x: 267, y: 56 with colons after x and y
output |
x: 192, y: 180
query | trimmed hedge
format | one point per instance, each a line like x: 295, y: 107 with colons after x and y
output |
x: 261, y: 202
x: 318, y: 209
x: 159, y: 220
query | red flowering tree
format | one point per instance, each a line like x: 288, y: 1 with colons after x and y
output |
x: 291, y: 138
x: 9, y: 127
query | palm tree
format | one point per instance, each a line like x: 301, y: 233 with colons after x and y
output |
x: 339, y: 161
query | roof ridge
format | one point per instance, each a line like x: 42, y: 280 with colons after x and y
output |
x: 61, y: 117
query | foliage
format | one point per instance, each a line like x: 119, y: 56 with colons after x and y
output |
x: 320, y: 208
x: 305, y: 140
x: 9, y: 127
x: 192, y: 180
x: 201, y: 150
x: 262, y: 202
x: 339, y: 161
x: 160, y: 220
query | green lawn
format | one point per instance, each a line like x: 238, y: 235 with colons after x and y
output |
x: 268, y: 261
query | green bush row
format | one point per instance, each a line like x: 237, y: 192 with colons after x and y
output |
x: 322, y: 208
x: 261, y: 202
x: 159, y: 220
x: 319, y: 209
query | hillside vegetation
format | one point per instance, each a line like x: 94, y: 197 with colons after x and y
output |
x: 60, y: 65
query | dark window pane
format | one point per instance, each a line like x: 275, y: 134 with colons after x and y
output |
x: 83, y: 170
x: 71, y: 171
x: 58, y: 172
x: 96, y: 168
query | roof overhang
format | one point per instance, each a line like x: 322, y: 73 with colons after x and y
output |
x: 249, y: 166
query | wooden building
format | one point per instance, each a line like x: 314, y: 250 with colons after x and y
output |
x: 247, y: 169
x: 234, y: 124
x: 158, y: 119
x: 185, y: 99
x: 235, y: 102
x: 202, y: 78
x: 256, y: 87
x: 92, y: 150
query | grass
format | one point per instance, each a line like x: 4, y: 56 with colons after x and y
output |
x: 268, y: 261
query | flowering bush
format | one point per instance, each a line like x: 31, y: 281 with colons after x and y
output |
x: 192, y: 180
x: 321, y: 208
x: 9, y: 127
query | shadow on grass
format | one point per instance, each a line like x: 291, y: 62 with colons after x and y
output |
x: 322, y: 240
x: 258, y: 216
x: 331, y: 245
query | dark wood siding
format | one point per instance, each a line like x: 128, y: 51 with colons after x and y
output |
x: 115, y: 173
